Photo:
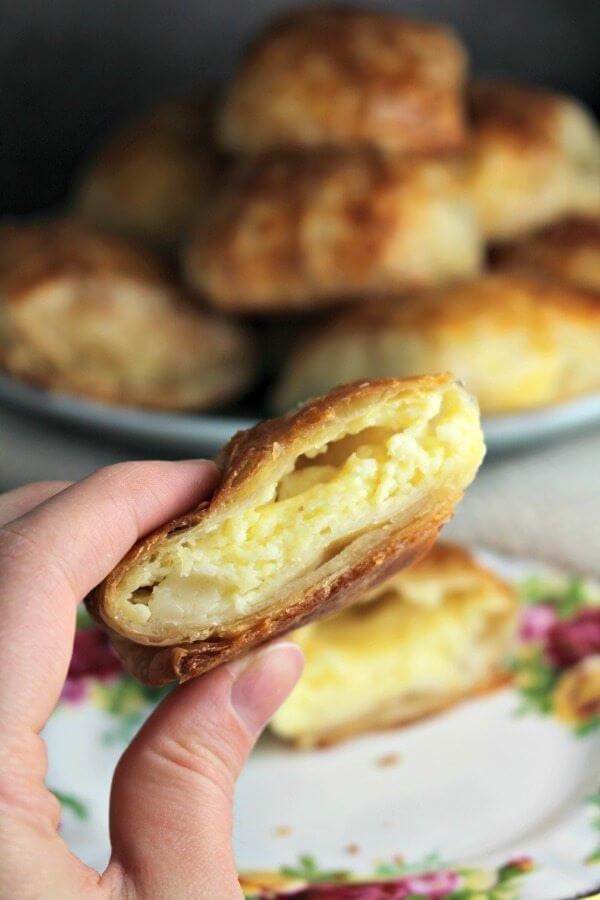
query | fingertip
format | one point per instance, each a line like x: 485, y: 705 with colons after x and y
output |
x: 262, y: 682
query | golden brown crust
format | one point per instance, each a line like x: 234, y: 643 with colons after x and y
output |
x: 247, y: 461
x: 517, y: 340
x: 534, y: 158
x: 518, y: 115
x: 86, y: 313
x: 347, y: 76
x: 152, y: 180
x: 37, y: 252
x: 568, y: 250
x: 299, y: 230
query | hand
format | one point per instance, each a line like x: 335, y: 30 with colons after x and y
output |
x: 171, y: 801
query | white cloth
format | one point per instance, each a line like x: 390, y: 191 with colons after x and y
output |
x: 541, y: 504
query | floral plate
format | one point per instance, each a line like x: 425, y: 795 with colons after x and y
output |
x: 495, y: 800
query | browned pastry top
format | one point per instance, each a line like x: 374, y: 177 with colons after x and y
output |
x: 568, y: 250
x: 299, y: 229
x: 341, y: 75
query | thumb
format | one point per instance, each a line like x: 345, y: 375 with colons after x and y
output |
x: 172, y: 794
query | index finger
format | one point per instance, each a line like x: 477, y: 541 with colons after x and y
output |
x: 51, y: 557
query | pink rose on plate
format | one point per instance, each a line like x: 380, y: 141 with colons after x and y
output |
x: 575, y: 639
x: 536, y: 621
x: 430, y: 886
x: 391, y: 890
x: 92, y: 657
x: 433, y: 885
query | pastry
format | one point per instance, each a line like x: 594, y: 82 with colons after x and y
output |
x: 299, y: 230
x: 88, y: 314
x: 152, y: 180
x: 517, y: 341
x: 346, y: 76
x: 568, y: 251
x: 534, y: 158
x: 313, y: 509
x: 430, y: 636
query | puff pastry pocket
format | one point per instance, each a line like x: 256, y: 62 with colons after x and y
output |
x: 429, y: 637
x: 313, y: 509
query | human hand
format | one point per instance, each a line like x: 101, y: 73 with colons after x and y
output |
x: 171, y: 799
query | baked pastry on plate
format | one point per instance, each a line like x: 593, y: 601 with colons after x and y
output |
x: 432, y: 635
x: 348, y: 76
x: 298, y: 230
x: 88, y: 314
x: 152, y: 180
x: 518, y: 342
x: 534, y: 158
x: 313, y: 509
x: 568, y: 250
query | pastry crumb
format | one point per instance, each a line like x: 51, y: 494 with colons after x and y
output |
x: 282, y: 831
x: 388, y: 760
x: 398, y: 859
x: 352, y: 849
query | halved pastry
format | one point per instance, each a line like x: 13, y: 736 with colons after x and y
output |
x: 534, y: 158
x: 568, y: 250
x: 429, y: 637
x: 348, y: 76
x: 313, y: 509
x: 299, y: 230
x: 151, y: 180
x: 517, y: 342
x: 85, y: 313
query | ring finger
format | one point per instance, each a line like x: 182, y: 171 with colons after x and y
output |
x: 22, y: 500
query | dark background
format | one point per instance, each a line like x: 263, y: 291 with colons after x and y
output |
x: 70, y: 69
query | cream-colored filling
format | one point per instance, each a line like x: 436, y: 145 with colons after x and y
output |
x: 385, y: 457
x: 371, y: 655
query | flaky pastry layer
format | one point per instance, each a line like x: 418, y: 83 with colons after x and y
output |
x: 338, y: 76
x: 534, y: 158
x: 301, y: 230
x: 312, y: 509
x: 516, y: 340
x: 568, y: 250
x: 86, y: 313
x: 152, y: 180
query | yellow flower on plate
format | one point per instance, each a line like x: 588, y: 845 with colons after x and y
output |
x: 266, y: 881
x: 576, y: 697
x: 478, y: 879
x: 102, y: 696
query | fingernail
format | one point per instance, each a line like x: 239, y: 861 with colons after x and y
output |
x: 264, y: 681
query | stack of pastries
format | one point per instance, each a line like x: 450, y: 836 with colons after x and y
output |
x: 351, y: 161
x: 353, y: 206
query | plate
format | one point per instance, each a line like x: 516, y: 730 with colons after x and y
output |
x: 205, y: 434
x: 493, y: 799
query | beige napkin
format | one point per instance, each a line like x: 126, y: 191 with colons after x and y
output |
x: 541, y: 504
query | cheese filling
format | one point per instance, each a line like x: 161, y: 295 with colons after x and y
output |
x: 391, y: 651
x: 385, y: 456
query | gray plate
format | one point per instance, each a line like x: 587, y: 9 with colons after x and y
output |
x: 188, y: 433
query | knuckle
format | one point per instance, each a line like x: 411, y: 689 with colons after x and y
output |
x: 14, y: 543
x: 205, y: 762
x: 116, y: 473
